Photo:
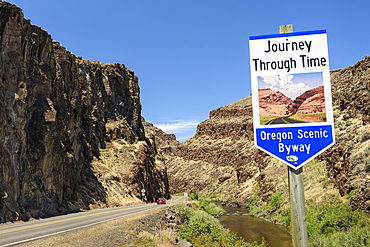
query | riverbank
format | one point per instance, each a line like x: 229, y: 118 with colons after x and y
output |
x: 250, y: 228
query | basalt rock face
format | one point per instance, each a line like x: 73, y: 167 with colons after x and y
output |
x: 54, y: 112
x: 166, y: 143
x: 229, y: 125
x: 349, y: 166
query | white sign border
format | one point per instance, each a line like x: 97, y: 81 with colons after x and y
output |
x: 326, y: 82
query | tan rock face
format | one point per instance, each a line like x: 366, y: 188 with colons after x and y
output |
x: 55, y: 109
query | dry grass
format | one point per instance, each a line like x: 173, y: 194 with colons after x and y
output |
x: 160, y: 238
x: 311, y: 117
x: 264, y: 119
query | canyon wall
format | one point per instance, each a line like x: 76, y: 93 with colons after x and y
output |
x: 55, y: 110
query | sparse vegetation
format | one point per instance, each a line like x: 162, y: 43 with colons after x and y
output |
x: 152, y: 239
x: 363, y: 136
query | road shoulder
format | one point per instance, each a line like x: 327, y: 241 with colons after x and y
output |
x: 157, y: 225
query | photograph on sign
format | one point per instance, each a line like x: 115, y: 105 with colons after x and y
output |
x: 291, y: 98
x: 291, y: 95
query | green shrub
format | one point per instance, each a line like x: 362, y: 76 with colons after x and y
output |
x: 195, y: 196
x: 205, y: 230
x: 253, y: 200
x: 333, y: 218
x: 216, y: 210
x: 183, y: 211
x: 202, y: 216
x: 355, y: 236
x: 256, y: 210
x: 210, y: 198
x: 275, y: 201
x: 211, y: 208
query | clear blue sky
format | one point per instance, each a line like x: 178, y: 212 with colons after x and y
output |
x: 191, y: 56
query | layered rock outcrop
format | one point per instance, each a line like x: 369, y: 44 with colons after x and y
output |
x: 55, y: 110
x: 311, y: 101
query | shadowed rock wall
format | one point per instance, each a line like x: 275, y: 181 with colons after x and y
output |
x: 53, y: 111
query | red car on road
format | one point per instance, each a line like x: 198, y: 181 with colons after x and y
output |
x: 161, y: 200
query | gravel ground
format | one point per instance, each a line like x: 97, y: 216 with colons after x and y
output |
x: 157, y: 227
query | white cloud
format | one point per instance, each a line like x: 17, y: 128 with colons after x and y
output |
x: 177, y: 126
x: 285, y: 85
x: 183, y: 129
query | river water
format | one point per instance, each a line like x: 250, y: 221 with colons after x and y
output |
x: 251, y: 228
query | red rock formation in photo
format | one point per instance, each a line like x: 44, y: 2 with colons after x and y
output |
x: 272, y: 102
x: 311, y: 101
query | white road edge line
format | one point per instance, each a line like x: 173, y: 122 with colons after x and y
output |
x: 51, y: 234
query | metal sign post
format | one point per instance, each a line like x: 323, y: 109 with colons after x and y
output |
x: 292, y: 106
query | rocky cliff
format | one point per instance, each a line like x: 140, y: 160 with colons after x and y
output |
x: 59, y: 115
x: 221, y: 158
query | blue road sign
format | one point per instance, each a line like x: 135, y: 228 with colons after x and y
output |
x: 295, y: 145
x: 291, y: 95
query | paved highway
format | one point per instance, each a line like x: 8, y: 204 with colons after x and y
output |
x: 20, y: 232
x: 284, y: 120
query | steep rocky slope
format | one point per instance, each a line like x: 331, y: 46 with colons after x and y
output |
x: 221, y: 158
x: 348, y: 163
x: 71, y: 134
x: 220, y: 151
